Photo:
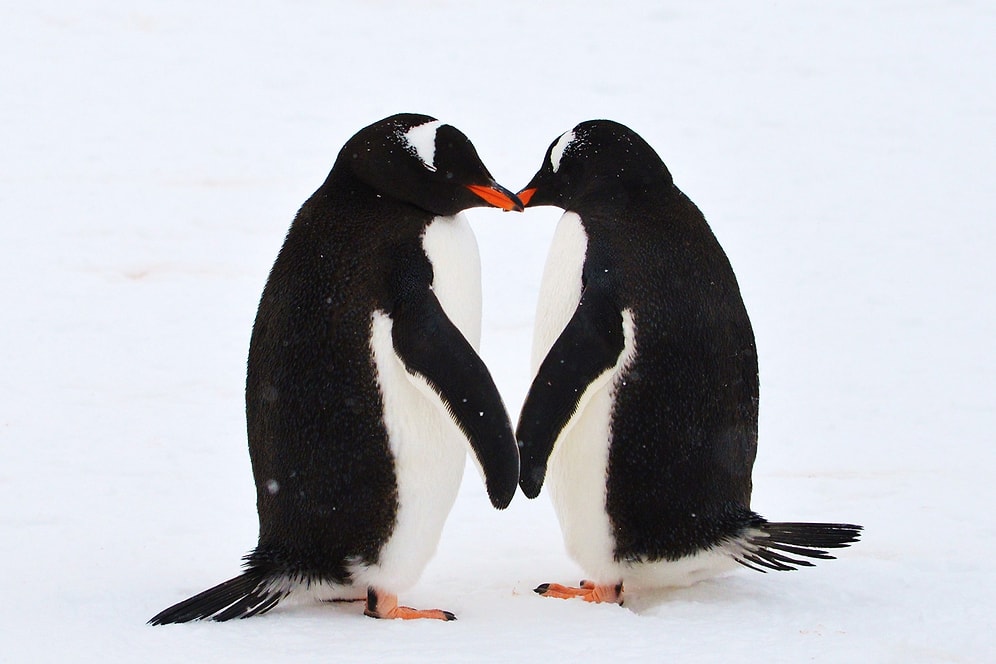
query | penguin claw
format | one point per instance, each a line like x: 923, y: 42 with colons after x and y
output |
x: 385, y: 606
x: 408, y: 613
x: 588, y: 591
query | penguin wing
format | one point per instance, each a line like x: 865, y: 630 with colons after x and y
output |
x: 588, y: 347
x: 431, y: 346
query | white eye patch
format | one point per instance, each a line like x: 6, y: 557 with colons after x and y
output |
x: 422, y: 141
x: 557, y: 151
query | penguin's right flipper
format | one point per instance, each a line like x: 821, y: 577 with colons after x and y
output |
x: 431, y: 346
x: 588, y: 347
x: 252, y: 592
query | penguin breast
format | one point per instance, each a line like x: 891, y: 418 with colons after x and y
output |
x: 451, y: 247
x: 560, y: 288
x: 428, y: 448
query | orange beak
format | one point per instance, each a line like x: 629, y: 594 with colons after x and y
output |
x: 526, y: 195
x: 497, y: 196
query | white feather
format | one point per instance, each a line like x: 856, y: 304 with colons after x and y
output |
x: 560, y: 288
x: 422, y: 140
x: 578, y: 469
x: 557, y: 151
x: 456, y: 262
x: 429, y: 449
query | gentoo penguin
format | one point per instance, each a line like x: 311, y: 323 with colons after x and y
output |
x: 643, y: 409
x: 364, y: 386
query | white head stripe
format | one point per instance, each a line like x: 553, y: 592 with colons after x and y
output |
x: 558, y: 149
x: 422, y: 139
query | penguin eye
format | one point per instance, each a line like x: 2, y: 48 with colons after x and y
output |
x: 449, y: 175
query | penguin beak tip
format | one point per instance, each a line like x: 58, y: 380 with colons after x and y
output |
x: 497, y: 196
x: 526, y: 195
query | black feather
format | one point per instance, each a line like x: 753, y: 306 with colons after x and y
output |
x: 253, y: 592
x: 769, y: 543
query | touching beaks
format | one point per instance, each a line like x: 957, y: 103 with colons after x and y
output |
x: 498, y: 196
x: 526, y: 195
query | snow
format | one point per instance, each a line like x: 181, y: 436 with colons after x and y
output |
x: 154, y: 155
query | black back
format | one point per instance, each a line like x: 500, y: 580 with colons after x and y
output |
x: 684, y: 423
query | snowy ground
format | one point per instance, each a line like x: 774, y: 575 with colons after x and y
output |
x: 152, y: 156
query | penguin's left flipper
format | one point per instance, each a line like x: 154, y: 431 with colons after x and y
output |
x: 586, y: 350
x: 431, y: 346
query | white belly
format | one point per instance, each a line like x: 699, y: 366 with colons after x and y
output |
x: 452, y: 249
x: 577, y: 468
x: 429, y: 449
x: 560, y: 288
x: 576, y: 477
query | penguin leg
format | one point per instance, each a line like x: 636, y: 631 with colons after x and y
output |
x: 589, y: 592
x: 385, y: 605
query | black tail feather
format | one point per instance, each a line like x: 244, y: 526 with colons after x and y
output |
x: 253, y: 592
x: 767, y: 545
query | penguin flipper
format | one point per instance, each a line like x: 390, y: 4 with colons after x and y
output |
x: 431, y: 347
x: 247, y: 595
x: 589, y: 346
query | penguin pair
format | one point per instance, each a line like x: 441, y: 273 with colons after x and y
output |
x: 364, y: 385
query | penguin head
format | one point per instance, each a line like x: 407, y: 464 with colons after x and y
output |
x: 419, y: 160
x: 597, y: 158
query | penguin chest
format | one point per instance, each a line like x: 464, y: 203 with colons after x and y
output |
x: 577, y: 471
x: 450, y: 244
x: 560, y: 288
x: 427, y: 447
x: 576, y: 478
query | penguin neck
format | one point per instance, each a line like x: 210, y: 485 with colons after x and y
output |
x: 600, y: 209
x: 342, y: 188
x: 622, y: 189
x: 631, y: 219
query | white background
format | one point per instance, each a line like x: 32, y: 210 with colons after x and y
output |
x: 152, y: 156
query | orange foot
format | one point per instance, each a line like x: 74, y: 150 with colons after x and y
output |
x: 385, y: 605
x: 589, y: 592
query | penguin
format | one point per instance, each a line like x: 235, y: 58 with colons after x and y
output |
x: 363, y: 385
x: 644, y: 405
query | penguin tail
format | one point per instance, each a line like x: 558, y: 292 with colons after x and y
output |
x: 253, y: 592
x: 786, y: 546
